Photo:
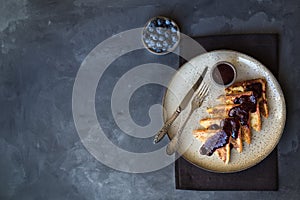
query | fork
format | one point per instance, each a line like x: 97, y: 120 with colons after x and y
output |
x: 196, y: 103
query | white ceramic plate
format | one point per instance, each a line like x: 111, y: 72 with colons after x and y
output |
x: 263, y: 142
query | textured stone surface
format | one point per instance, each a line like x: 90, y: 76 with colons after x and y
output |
x: 42, y: 46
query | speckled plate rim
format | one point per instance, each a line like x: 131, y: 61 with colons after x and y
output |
x: 279, y: 91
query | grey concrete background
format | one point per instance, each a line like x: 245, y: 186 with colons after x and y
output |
x: 42, y: 46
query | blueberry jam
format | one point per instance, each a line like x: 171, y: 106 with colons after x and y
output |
x: 231, y: 127
x: 216, y: 141
x: 223, y: 74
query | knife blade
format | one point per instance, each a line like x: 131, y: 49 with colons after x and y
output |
x: 183, y: 104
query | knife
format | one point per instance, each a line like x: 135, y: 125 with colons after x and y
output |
x: 184, y: 103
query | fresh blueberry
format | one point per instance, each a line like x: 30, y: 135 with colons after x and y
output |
x: 161, y: 38
x: 150, y: 29
x: 173, y: 29
x: 146, y: 40
x: 158, y: 44
x: 165, y: 43
x: 158, y: 51
x: 151, y: 43
x: 167, y: 34
x: 174, y: 38
x: 159, y: 21
x: 154, y: 37
x: 164, y: 49
x: 153, y: 24
x: 160, y: 30
x: 153, y: 48
x: 167, y: 22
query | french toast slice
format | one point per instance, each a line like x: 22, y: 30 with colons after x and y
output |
x: 229, y: 98
x: 220, y: 110
x: 223, y: 153
x: 255, y: 119
x: 208, y: 122
x: 203, y: 134
x: 246, y: 134
x: 250, y: 85
x: 238, y: 142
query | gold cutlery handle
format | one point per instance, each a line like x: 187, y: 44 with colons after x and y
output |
x: 163, y: 131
